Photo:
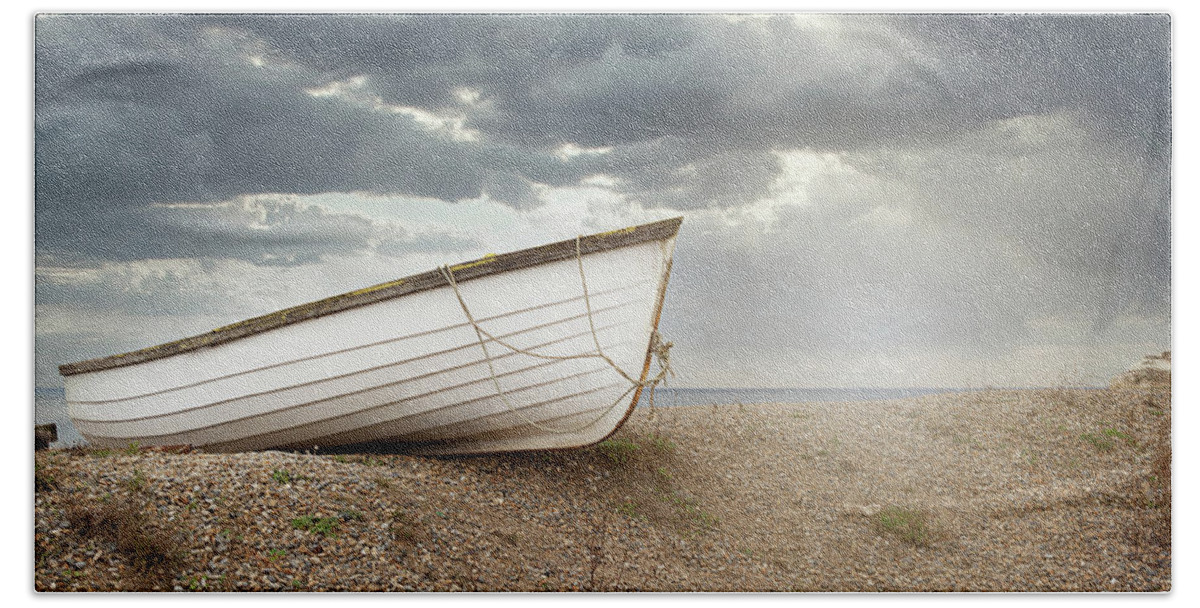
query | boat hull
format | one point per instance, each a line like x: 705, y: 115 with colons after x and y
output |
x: 409, y: 369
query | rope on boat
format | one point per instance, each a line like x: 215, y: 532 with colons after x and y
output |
x: 660, y: 350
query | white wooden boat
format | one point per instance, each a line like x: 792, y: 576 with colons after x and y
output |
x: 403, y: 362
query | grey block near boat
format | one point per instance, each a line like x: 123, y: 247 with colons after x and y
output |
x: 501, y: 353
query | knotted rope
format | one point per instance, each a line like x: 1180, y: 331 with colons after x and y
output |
x: 660, y: 350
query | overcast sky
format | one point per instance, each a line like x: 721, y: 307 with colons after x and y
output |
x: 869, y: 200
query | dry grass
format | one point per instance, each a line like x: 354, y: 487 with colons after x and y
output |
x: 1143, y: 378
x: 153, y: 556
x: 643, y: 483
x: 1134, y: 426
x: 1150, y: 494
x: 1149, y: 375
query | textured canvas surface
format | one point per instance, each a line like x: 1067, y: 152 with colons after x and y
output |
x: 975, y: 208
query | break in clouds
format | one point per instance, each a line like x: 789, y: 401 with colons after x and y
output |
x: 870, y: 200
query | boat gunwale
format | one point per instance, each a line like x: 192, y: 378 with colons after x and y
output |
x: 433, y: 279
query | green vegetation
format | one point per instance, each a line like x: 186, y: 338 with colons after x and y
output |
x: 137, y: 482
x: 629, y: 509
x: 690, y: 508
x: 1117, y: 434
x: 620, y: 451
x: 642, y: 469
x: 909, y: 525
x: 326, y: 526
x: 1105, y: 441
x: 284, y: 477
x: 1100, y: 443
x: 662, y: 444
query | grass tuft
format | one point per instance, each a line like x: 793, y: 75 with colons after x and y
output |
x: 909, y: 525
x: 619, y: 451
x: 325, y: 526
x: 629, y: 509
x: 1099, y: 442
x: 662, y: 444
x: 137, y: 482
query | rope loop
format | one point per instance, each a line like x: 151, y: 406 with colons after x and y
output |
x: 659, y: 349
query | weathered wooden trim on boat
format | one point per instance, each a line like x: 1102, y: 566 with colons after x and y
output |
x: 487, y: 265
x: 637, y: 394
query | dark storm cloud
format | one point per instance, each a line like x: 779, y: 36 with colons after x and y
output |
x: 190, y: 118
x: 134, y: 110
x: 1114, y: 69
x: 170, y: 110
x: 872, y: 190
x: 1112, y: 73
x: 263, y: 232
x: 676, y: 96
x: 615, y: 80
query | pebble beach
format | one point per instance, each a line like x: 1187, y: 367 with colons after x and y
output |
x: 1026, y: 490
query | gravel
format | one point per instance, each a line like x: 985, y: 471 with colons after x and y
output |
x: 1050, y: 490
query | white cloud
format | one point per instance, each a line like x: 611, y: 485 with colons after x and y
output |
x: 452, y: 125
x: 347, y: 89
x: 467, y: 96
x: 601, y: 180
x: 447, y: 122
x: 568, y: 151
